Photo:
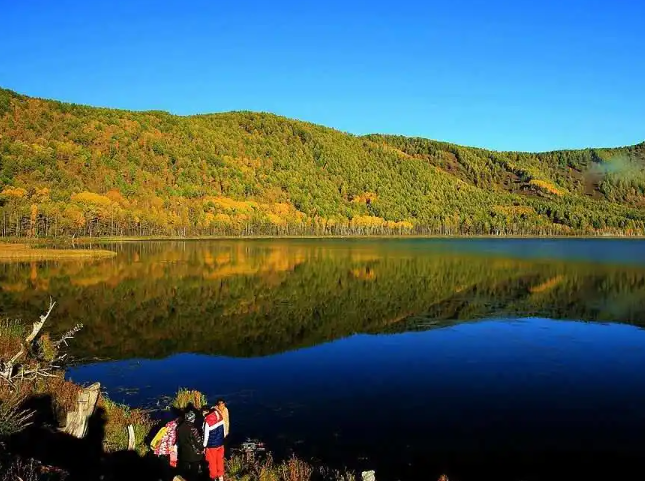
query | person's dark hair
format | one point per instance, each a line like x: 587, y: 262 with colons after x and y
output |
x: 219, y: 401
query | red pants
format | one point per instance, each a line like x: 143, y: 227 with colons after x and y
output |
x: 215, y: 460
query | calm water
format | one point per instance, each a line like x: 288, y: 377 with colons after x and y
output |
x: 464, y: 356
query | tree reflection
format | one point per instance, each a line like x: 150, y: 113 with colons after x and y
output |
x: 258, y: 298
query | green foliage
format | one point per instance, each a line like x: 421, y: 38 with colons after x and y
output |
x: 46, y: 348
x: 97, y: 172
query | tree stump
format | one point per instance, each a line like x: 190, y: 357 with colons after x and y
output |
x: 132, y: 442
x: 85, y: 405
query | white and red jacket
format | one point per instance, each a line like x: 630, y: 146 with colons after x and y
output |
x: 214, y: 430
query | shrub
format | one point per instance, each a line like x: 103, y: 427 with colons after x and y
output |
x: 46, y: 348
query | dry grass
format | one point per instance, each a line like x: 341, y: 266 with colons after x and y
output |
x: 23, y: 252
x: 186, y: 397
x: 239, y: 468
x: 119, y: 417
x: 13, y: 418
x: 11, y: 334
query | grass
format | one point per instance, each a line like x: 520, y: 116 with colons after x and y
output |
x: 119, y: 417
x: 240, y: 468
x: 23, y: 252
x: 11, y: 334
x: 13, y: 418
x: 186, y: 397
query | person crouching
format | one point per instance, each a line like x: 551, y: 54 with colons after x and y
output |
x: 214, y: 443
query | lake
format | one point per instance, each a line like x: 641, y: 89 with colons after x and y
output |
x: 407, y: 356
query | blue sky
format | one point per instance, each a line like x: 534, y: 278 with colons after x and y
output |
x: 507, y: 75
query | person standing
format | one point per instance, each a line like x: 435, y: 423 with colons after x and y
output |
x: 190, y: 449
x: 221, y: 407
x: 214, y: 434
x: 164, y: 443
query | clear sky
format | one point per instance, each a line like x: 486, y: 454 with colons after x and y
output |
x: 508, y: 75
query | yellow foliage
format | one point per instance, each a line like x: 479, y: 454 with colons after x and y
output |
x: 116, y: 197
x: 33, y: 214
x: 511, y: 210
x: 365, y: 198
x: 208, y: 219
x: 223, y: 218
x: 368, y: 221
x: 276, y: 219
x: 15, y: 192
x: 228, y: 204
x: 282, y: 208
x: 91, y: 198
x: 545, y: 186
x: 74, y: 214
x: 41, y: 195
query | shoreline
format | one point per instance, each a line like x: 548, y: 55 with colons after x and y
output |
x: 58, y: 241
x: 38, y: 440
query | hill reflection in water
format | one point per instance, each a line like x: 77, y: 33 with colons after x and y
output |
x: 256, y: 298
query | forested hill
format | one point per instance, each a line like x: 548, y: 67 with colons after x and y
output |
x: 68, y: 169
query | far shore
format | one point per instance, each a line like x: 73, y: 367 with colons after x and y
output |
x: 54, y: 241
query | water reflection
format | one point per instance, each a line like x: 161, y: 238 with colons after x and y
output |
x: 250, y: 298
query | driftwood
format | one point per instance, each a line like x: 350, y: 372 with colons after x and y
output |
x: 77, y: 420
x: 17, y: 369
x: 11, y: 369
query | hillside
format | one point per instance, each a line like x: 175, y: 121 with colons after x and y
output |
x: 67, y: 169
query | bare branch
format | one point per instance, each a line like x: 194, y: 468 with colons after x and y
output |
x: 38, y: 325
x: 18, y: 355
x: 7, y: 368
x: 67, y: 336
